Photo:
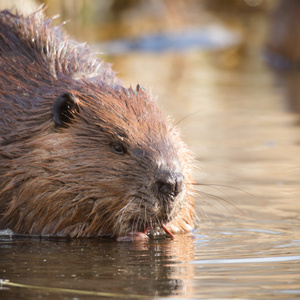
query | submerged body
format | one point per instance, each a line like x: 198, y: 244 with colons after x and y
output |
x: 81, y: 155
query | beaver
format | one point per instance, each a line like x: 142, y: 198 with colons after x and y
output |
x: 80, y: 154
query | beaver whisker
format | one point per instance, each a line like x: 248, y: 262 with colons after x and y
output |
x: 216, y: 185
x: 185, y: 117
x: 122, y: 210
x: 131, y: 224
x: 134, y: 223
x: 221, y: 200
x: 138, y: 220
x: 151, y: 224
x: 199, y: 210
x: 146, y: 220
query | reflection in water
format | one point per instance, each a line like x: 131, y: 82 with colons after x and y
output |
x: 124, y: 268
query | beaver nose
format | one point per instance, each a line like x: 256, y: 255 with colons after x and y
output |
x: 169, y: 184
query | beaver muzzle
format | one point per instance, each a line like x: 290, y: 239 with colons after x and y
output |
x: 168, y: 185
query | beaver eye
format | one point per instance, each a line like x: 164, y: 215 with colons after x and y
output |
x: 118, y: 149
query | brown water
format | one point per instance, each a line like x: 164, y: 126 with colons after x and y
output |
x: 247, y: 243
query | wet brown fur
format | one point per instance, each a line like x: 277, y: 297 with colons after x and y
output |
x: 66, y: 180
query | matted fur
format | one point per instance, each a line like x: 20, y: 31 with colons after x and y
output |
x: 67, y: 180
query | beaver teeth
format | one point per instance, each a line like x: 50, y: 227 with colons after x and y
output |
x: 167, y: 231
x: 146, y: 229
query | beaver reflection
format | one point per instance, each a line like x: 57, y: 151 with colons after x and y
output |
x: 154, y: 268
x: 81, y: 155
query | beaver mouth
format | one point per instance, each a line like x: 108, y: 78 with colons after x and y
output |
x: 166, y: 230
x: 150, y: 222
x: 146, y: 228
x: 137, y: 236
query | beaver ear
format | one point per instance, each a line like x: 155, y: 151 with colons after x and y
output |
x: 65, y: 108
x: 140, y: 88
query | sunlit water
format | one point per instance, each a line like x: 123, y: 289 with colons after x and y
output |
x: 247, y: 244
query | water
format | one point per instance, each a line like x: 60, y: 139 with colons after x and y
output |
x: 247, y: 243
